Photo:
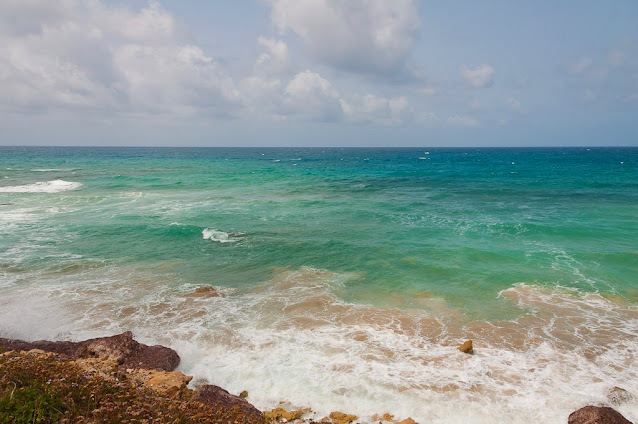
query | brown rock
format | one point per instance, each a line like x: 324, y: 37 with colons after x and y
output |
x: 167, y: 383
x: 341, y: 418
x: 279, y: 413
x: 243, y: 394
x: 618, y: 396
x: 596, y: 415
x: 467, y: 347
x: 203, y: 292
x: 384, y: 417
x: 219, y: 398
x: 407, y: 421
x: 122, y: 347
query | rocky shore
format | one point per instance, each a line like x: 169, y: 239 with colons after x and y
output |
x: 117, y: 379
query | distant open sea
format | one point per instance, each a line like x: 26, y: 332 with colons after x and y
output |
x: 349, y: 276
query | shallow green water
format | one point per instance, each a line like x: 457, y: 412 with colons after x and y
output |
x: 457, y: 227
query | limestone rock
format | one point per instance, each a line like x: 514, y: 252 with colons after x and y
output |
x: 467, y: 347
x: 279, y: 413
x: 167, y: 383
x: 341, y: 418
x: 618, y: 396
x: 219, y: 398
x: 122, y: 347
x: 596, y: 415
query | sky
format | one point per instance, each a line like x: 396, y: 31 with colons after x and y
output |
x: 319, y: 73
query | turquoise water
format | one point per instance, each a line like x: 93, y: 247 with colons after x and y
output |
x: 417, y: 249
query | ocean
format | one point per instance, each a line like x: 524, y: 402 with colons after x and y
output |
x: 347, y: 277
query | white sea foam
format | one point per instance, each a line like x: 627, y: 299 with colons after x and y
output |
x: 216, y: 235
x: 293, y: 339
x: 54, y: 186
x: 52, y: 169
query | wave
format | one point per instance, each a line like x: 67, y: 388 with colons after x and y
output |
x: 297, y: 337
x: 54, y: 186
x: 216, y: 235
x: 53, y: 169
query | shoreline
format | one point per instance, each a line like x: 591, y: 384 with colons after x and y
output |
x: 120, y: 358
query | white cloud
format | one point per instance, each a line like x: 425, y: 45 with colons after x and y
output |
x: 312, y: 97
x: 82, y: 54
x: 275, y: 59
x: 367, y: 36
x: 375, y: 109
x: 581, y: 65
x: 462, y: 121
x: 513, y: 104
x: 479, y: 77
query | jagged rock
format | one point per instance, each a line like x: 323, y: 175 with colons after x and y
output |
x: 407, y: 421
x: 219, y: 398
x: 243, y: 394
x: 106, y: 366
x: 199, y: 383
x: 467, y: 347
x: 618, y: 396
x: 596, y: 415
x: 279, y: 413
x: 122, y: 347
x: 168, y: 383
x: 341, y: 418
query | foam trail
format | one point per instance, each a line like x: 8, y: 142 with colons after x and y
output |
x: 54, y: 186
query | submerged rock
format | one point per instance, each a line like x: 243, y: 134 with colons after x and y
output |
x: 618, y: 396
x: 384, y: 417
x: 467, y: 347
x: 220, y: 399
x: 203, y: 292
x: 597, y: 415
x: 407, y: 421
x: 121, y: 347
x: 341, y: 418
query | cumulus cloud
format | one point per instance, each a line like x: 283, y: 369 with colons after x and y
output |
x: 276, y: 58
x: 312, y: 97
x: 479, y: 77
x: 375, y: 109
x: 72, y: 54
x: 367, y: 36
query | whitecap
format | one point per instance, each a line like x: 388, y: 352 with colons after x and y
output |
x: 216, y: 235
x: 50, y: 169
x: 54, y: 186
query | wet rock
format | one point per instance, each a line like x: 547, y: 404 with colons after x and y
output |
x: 467, y: 347
x: 384, y: 417
x: 219, y: 398
x: 596, y: 415
x: 122, y: 347
x: 279, y: 413
x: 243, y: 394
x: 341, y: 418
x: 203, y: 292
x: 407, y: 421
x: 199, y: 383
x: 618, y: 396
